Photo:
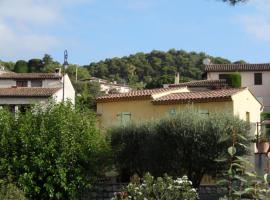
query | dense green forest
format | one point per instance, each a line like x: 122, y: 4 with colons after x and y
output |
x: 153, y: 69
x: 140, y: 69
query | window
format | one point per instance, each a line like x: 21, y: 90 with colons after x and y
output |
x: 36, y: 83
x: 124, y: 118
x: 257, y: 78
x: 21, y: 83
x: 248, y: 119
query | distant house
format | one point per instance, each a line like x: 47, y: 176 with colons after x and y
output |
x: 143, y: 105
x: 18, y: 90
x: 254, y: 76
x: 109, y: 87
x: 199, y: 85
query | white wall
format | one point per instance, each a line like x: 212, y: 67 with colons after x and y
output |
x: 69, y: 91
x: 7, y: 83
x: 22, y: 100
x: 260, y: 91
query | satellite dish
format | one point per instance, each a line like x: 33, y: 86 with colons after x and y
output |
x: 206, y: 61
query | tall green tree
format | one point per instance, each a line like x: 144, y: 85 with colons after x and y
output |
x: 21, y: 66
x: 186, y: 143
x: 51, y: 152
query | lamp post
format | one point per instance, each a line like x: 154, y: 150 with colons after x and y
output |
x: 65, y: 65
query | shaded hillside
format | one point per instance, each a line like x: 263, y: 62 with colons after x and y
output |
x: 152, y: 69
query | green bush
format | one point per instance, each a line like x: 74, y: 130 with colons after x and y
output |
x: 11, y: 192
x: 187, y: 143
x: 161, y: 188
x: 51, y: 151
x: 234, y: 80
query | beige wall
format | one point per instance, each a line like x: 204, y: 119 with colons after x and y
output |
x: 144, y: 110
x: 260, y: 91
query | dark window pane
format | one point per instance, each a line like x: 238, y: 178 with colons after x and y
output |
x: 21, y: 83
x: 258, y: 78
x: 36, y: 83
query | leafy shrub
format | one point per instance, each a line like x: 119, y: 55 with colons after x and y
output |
x: 50, y: 151
x: 187, y: 143
x: 11, y: 192
x: 234, y: 79
x: 160, y: 188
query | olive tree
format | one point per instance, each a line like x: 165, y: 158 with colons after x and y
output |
x: 187, y: 143
x: 50, y: 152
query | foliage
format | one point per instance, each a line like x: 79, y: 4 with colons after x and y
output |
x: 9, y: 191
x: 153, y: 69
x: 160, y: 188
x: 87, y: 94
x: 265, y: 115
x: 236, y: 177
x: 233, y: 79
x: 51, y: 151
x: 233, y: 2
x: 186, y: 143
x: 21, y: 66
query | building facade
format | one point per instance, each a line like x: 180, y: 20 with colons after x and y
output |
x: 254, y: 76
x: 18, y: 90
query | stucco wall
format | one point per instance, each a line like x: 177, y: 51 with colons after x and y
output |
x: 143, y: 110
x: 7, y: 83
x: 21, y: 101
x: 248, y: 81
x: 69, y: 91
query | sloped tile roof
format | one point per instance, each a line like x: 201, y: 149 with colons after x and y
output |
x: 205, y: 96
x: 138, y: 94
x: 27, y: 92
x: 202, y: 83
x: 12, y: 75
x: 237, y: 67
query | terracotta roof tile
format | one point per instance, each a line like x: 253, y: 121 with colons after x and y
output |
x: 202, y: 83
x: 237, y: 67
x: 205, y: 96
x: 27, y: 92
x: 12, y: 75
x: 138, y: 94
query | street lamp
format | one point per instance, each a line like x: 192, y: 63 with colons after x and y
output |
x: 65, y: 65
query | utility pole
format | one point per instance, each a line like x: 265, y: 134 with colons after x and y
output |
x: 65, y: 65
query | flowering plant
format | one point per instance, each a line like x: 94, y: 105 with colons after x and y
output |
x: 164, y: 187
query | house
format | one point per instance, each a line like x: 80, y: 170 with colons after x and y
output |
x: 109, y: 87
x: 19, y: 90
x: 254, y: 76
x: 144, y: 105
x: 200, y: 85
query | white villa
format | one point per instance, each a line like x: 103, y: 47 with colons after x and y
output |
x: 254, y: 76
x: 19, y: 90
x: 108, y: 87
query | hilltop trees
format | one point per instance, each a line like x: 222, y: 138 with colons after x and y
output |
x: 154, y: 68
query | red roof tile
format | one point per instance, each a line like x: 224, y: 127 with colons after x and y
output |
x: 202, y: 83
x: 27, y: 92
x: 237, y: 67
x: 138, y: 94
x: 205, y: 96
x: 12, y: 75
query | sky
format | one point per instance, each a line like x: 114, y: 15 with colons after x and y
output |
x: 93, y: 30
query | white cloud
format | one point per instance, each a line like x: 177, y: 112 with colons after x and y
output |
x: 257, y: 24
x: 25, y: 25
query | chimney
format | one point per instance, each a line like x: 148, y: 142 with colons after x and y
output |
x: 177, y: 78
